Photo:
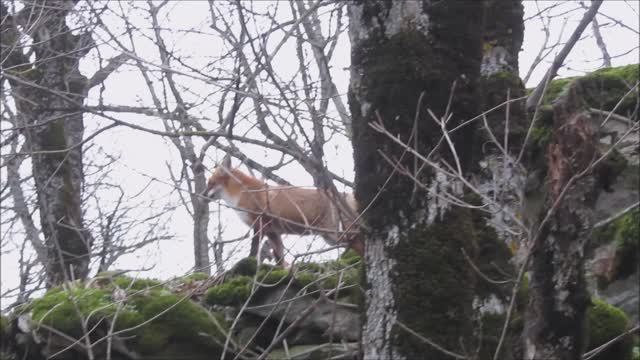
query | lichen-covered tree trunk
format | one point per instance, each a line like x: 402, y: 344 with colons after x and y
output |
x: 502, y: 39
x: 497, y: 173
x: 49, y: 94
x: 554, y: 323
x: 416, y: 276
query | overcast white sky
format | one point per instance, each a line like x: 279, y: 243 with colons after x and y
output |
x: 145, y: 156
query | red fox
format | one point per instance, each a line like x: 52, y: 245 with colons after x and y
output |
x: 276, y: 210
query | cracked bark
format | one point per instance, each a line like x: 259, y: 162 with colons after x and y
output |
x: 554, y: 322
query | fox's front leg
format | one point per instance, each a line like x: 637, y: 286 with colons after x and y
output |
x: 277, y: 248
x: 258, y: 233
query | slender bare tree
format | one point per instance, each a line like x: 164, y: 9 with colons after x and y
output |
x: 48, y: 94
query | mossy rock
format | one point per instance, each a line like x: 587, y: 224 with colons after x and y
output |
x: 245, y: 267
x: 196, y: 276
x: 110, y: 279
x: 125, y: 282
x: 602, y: 89
x: 177, y: 320
x: 64, y: 309
x: 350, y: 257
x: 232, y: 292
x: 151, y: 321
x: 326, y: 276
x: 304, y: 278
x: 272, y: 276
x: 236, y: 288
x: 605, y: 322
x: 556, y: 88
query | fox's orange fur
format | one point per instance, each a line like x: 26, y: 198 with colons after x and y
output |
x: 276, y: 210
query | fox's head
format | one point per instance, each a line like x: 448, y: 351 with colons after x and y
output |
x: 218, y: 180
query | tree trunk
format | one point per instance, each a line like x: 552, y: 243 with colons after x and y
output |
x: 498, y: 174
x: 200, y: 221
x: 48, y: 99
x: 416, y: 276
x: 554, y: 323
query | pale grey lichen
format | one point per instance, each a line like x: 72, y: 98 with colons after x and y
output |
x: 489, y: 305
x: 381, y: 312
x: 402, y: 16
x: 441, y: 190
x: 502, y: 182
x: 494, y: 61
x: 405, y: 15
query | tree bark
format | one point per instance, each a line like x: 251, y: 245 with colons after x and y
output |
x: 414, y: 266
x: 49, y: 94
x: 200, y: 221
x: 499, y: 176
x: 554, y: 322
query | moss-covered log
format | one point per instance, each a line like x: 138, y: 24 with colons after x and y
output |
x: 413, y: 260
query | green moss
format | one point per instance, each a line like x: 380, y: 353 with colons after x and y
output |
x: 433, y: 270
x: 196, y: 276
x: 272, y: 276
x: 492, y: 255
x: 4, y: 325
x: 349, y: 257
x: 245, y: 267
x: 606, y: 322
x: 327, y: 275
x: 628, y: 243
x: 555, y: 89
x: 177, y: 320
x: 153, y: 338
x: 152, y: 320
x: 494, y: 93
x: 64, y: 310
x: 232, y: 292
x: 602, y: 88
x: 522, y: 296
x: 541, y: 136
x: 304, y: 278
x: 393, y: 85
x: 310, y: 267
x: 625, y: 232
x: 628, y: 73
x: 125, y: 282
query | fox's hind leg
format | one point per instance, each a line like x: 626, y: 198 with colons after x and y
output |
x: 259, y: 230
x: 277, y: 248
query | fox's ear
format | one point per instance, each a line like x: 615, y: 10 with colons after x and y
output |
x: 226, y: 162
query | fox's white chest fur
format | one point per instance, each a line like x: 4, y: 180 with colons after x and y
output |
x: 232, y: 200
